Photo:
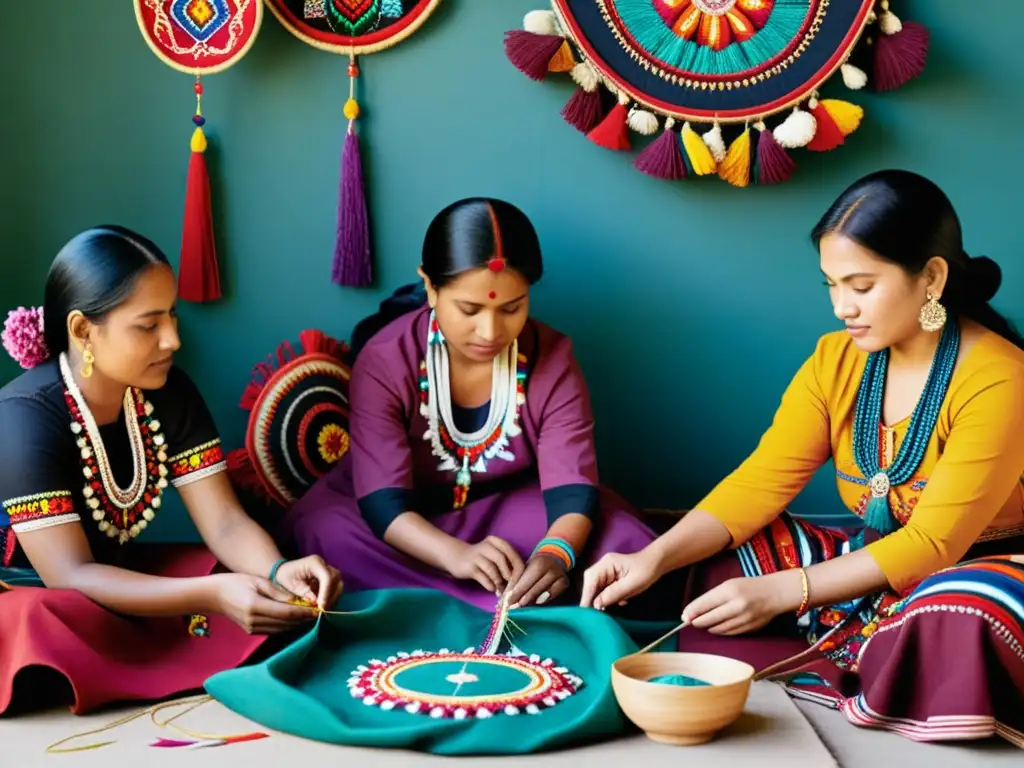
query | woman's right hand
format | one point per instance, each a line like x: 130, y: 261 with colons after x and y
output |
x: 615, y: 578
x: 258, y: 606
x: 493, y: 563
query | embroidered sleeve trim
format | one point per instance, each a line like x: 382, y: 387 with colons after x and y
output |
x: 203, y: 460
x: 27, y: 512
x: 46, y: 522
x: 195, y: 476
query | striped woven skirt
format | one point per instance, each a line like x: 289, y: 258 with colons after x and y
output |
x: 942, y: 663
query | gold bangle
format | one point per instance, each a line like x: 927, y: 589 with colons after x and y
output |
x: 806, y: 598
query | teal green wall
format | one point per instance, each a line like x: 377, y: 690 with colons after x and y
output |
x: 691, y: 305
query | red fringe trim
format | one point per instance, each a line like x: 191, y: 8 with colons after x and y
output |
x: 312, y: 342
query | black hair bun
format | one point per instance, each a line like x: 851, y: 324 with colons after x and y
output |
x: 984, y: 277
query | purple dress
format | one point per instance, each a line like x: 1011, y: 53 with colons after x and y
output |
x: 550, y: 469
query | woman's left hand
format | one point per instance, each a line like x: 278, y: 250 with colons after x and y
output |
x: 738, y: 606
x: 311, y: 579
x: 543, y: 580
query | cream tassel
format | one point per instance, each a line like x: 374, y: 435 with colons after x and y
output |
x: 797, y: 130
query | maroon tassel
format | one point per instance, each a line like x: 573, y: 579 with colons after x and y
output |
x: 901, y: 57
x: 352, y: 264
x: 663, y: 157
x: 531, y: 53
x: 584, y: 110
x: 774, y: 165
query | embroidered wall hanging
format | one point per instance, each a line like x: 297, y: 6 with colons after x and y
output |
x: 709, y: 72
x: 298, y: 427
x: 352, y: 28
x: 375, y: 673
x: 199, y: 37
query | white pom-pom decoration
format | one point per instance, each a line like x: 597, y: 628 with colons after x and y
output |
x: 541, y: 23
x: 854, y: 78
x: 586, y: 77
x: 797, y: 130
x: 889, y: 22
x: 643, y: 122
x: 716, y: 142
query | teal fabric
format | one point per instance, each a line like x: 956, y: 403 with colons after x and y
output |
x: 20, y: 577
x: 303, y: 689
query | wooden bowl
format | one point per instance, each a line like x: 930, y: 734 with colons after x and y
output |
x: 682, y: 715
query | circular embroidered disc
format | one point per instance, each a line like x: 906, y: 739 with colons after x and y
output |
x: 352, y: 27
x: 460, y: 685
x: 199, y: 37
x: 298, y: 428
x: 733, y: 60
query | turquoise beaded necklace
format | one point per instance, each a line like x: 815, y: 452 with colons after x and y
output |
x: 867, y: 422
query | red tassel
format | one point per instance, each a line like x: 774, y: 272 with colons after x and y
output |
x: 318, y: 342
x: 774, y: 165
x: 584, y: 110
x: 613, y: 131
x: 828, y: 136
x: 198, y: 272
x: 901, y: 57
x: 531, y: 53
x: 663, y: 157
x: 243, y: 474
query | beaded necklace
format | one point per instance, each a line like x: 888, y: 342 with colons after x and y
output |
x: 121, y: 513
x: 867, y: 423
x: 460, y: 452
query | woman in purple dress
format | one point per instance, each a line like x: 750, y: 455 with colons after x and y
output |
x: 472, y: 466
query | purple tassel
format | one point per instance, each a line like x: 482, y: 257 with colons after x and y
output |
x: 584, y: 110
x: 352, y: 264
x: 531, y: 53
x: 774, y: 165
x: 901, y: 57
x: 663, y: 157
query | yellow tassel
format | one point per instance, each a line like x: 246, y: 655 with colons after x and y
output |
x: 198, y: 142
x: 701, y: 159
x: 563, y: 60
x: 846, y: 116
x: 735, y: 168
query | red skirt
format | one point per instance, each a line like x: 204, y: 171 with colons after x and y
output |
x: 105, y: 657
x: 943, y: 663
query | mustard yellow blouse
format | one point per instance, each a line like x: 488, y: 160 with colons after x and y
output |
x: 968, y: 487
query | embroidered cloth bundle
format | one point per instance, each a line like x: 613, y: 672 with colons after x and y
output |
x: 376, y: 676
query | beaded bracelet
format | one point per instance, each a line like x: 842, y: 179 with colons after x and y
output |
x: 274, y: 569
x: 806, y: 594
x: 559, y: 549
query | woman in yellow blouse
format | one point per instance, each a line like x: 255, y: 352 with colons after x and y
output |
x: 915, y: 619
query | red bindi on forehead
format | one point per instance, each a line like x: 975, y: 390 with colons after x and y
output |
x: 492, y: 295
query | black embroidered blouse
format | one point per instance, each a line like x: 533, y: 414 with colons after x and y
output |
x: 48, y: 470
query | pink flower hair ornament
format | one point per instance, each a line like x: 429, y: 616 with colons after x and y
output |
x: 23, y: 337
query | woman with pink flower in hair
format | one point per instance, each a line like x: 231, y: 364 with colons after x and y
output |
x: 94, y: 433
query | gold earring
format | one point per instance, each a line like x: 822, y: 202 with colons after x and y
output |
x: 933, y: 315
x: 88, y: 358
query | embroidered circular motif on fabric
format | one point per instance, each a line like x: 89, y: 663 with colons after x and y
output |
x: 352, y: 27
x: 449, y: 684
x: 199, y: 37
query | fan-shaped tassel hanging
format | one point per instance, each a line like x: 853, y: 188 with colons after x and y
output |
x: 701, y: 160
x: 663, y: 157
x: 901, y: 51
x: 715, y: 142
x: 539, y: 47
x: 845, y: 115
x: 774, y: 165
x: 613, y: 132
x: 828, y: 136
x: 735, y: 167
x: 584, y: 110
x: 797, y: 130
